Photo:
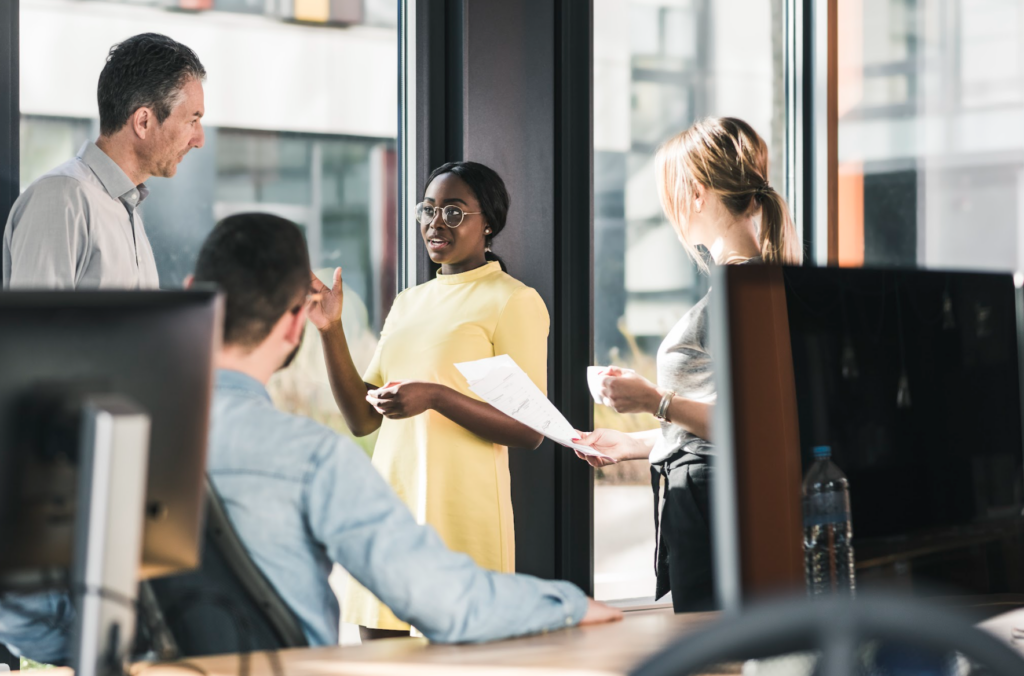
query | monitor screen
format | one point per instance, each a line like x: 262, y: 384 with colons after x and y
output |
x: 913, y: 379
x: 156, y: 348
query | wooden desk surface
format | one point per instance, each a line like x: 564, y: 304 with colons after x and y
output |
x: 584, y: 651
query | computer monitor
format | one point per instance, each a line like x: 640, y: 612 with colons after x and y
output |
x: 913, y: 378
x: 156, y: 348
x: 104, y: 414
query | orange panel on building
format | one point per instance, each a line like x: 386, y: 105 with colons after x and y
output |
x: 851, y: 214
x: 318, y: 11
x: 195, y: 4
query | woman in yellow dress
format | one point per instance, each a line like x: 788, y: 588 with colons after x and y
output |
x: 443, y: 450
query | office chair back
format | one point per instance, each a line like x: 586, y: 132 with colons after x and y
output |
x: 828, y: 635
x: 226, y: 605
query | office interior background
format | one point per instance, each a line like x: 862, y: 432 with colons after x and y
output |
x: 303, y: 120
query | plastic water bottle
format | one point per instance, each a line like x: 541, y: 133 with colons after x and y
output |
x: 828, y: 531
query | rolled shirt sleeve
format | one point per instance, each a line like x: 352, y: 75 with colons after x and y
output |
x: 444, y: 594
x: 46, y: 243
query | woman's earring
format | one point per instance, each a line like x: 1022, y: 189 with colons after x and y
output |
x: 487, y: 231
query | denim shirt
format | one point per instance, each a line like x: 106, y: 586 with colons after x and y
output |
x: 302, y: 497
x: 37, y: 626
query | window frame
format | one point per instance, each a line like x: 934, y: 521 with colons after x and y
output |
x: 821, y: 131
x: 10, y: 111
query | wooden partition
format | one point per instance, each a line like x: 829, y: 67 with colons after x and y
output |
x: 760, y: 450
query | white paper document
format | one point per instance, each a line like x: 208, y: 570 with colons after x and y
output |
x: 501, y: 383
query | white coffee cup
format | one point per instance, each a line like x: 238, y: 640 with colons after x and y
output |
x: 594, y: 376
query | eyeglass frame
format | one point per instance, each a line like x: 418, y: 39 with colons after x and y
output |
x: 437, y: 209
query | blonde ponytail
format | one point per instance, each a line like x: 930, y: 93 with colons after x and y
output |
x: 777, y: 234
x: 728, y: 158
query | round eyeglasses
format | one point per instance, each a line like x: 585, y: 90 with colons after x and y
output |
x: 451, y: 214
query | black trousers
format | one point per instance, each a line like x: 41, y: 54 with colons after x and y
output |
x: 682, y: 557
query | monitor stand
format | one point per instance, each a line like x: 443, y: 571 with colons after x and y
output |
x: 112, y: 465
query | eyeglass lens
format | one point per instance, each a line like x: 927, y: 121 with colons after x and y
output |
x: 451, y: 215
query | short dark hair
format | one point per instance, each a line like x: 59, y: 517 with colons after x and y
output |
x: 261, y: 263
x: 490, y: 191
x: 145, y: 70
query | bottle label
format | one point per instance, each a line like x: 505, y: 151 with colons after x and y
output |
x: 826, y: 508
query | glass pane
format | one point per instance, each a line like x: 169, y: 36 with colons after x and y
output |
x: 300, y: 122
x: 931, y: 149
x: 658, y: 66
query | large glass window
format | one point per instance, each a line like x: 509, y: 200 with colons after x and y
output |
x: 931, y: 149
x: 658, y: 66
x: 301, y: 115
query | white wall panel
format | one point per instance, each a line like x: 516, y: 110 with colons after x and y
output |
x: 262, y: 73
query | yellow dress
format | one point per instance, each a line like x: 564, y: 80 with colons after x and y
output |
x: 449, y: 477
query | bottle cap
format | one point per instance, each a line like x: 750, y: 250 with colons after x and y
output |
x: 822, y: 451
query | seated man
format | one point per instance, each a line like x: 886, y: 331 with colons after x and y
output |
x: 302, y: 497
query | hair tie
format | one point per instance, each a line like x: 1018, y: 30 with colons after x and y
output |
x: 763, y: 189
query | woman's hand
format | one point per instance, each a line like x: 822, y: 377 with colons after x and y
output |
x: 324, y: 305
x: 616, y: 445
x: 627, y: 392
x: 403, y: 399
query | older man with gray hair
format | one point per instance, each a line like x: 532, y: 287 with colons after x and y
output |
x: 78, y: 226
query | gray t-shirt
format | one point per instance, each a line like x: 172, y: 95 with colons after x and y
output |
x: 79, y: 227
x: 686, y: 367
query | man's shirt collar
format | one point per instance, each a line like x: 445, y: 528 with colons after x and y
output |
x: 114, y: 180
x: 236, y: 380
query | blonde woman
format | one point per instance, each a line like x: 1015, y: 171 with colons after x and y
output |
x: 713, y: 184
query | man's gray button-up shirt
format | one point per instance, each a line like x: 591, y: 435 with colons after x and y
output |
x: 78, y: 227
